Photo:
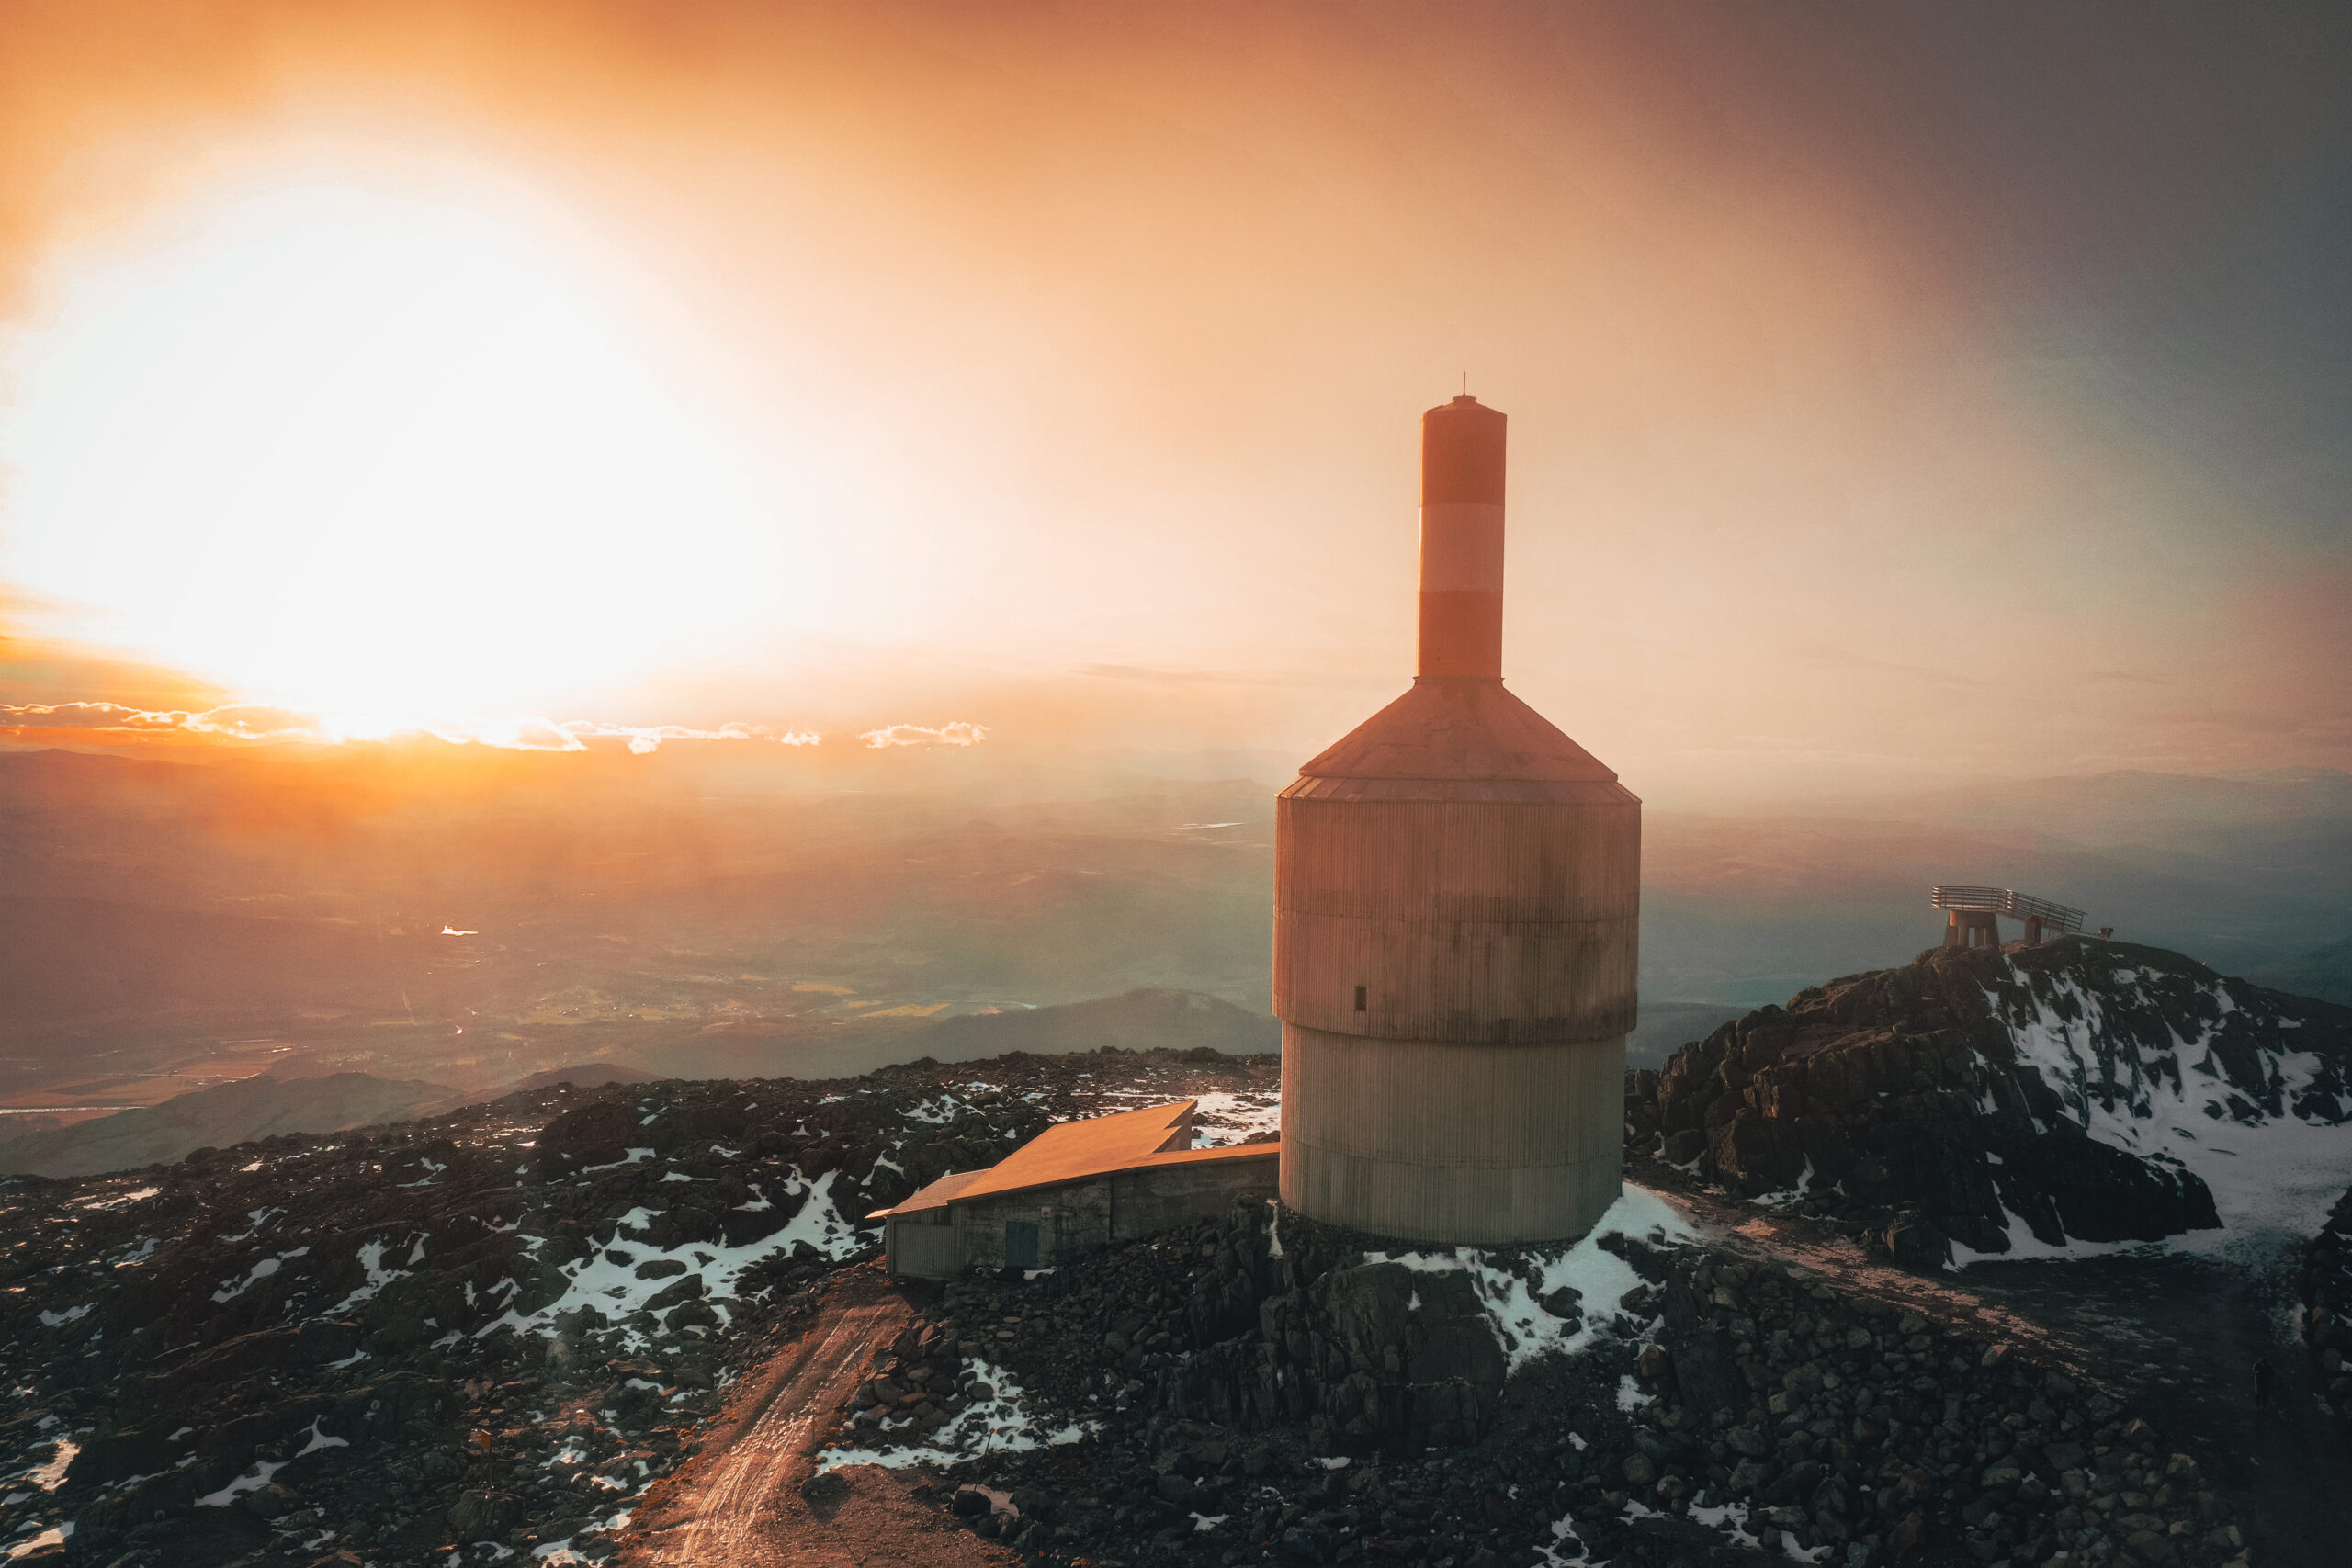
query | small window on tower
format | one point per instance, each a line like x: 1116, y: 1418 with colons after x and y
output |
x: 1360, y: 999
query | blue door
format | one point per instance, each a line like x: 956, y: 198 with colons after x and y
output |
x: 1021, y: 1244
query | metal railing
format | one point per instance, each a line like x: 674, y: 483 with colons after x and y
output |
x: 2058, y: 919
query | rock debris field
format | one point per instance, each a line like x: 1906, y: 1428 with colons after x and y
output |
x: 485, y: 1336
x: 1266, y: 1390
x: 469, y: 1337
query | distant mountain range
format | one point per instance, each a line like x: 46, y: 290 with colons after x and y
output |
x: 256, y: 1108
x: 2324, y: 972
x: 1140, y: 1019
x: 467, y: 918
x: 226, y: 1114
x: 261, y: 1107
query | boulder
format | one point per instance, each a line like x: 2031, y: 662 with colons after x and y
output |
x: 1754, y: 1153
x: 1917, y: 1242
x: 479, y: 1515
x: 271, y: 1502
x: 599, y: 1133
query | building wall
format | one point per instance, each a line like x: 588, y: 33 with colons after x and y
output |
x: 1073, y: 1218
x: 1145, y: 1202
x: 1456, y: 978
x: 1479, y: 922
x: 921, y: 1249
x: 1446, y: 1142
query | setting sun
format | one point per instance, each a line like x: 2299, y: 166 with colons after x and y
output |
x: 373, y: 453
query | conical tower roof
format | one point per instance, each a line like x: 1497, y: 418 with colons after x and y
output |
x: 1457, y: 738
x: 1454, y: 727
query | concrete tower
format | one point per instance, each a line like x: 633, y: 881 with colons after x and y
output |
x: 1456, y: 888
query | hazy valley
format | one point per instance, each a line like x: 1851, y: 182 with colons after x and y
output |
x: 467, y: 917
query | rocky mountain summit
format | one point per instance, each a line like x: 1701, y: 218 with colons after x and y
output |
x: 2078, y: 1090
x: 480, y: 1333
x: 1266, y: 1392
x: 489, y: 1334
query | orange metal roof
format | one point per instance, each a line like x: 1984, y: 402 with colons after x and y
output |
x: 1072, y: 1151
x: 940, y: 1191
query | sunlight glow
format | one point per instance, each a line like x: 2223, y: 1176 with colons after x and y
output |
x: 367, y: 452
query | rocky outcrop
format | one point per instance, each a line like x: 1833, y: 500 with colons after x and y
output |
x: 920, y: 1377
x: 1843, y: 1421
x: 1774, y: 1407
x: 489, y: 1331
x: 2327, y: 1304
x: 1370, y: 1354
x: 2066, y: 1090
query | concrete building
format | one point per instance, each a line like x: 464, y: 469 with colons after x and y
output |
x: 1456, y: 894
x: 1075, y: 1186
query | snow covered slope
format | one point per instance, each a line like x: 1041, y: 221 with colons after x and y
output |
x: 2023, y: 1100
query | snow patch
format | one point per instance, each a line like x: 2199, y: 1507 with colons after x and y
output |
x: 1727, y: 1518
x: 432, y: 1169
x: 254, y: 1478
x: 50, y: 1476
x: 121, y: 1199
x: 261, y: 1270
x: 55, y: 1534
x: 1601, y: 1277
x: 1564, y: 1538
x: 1223, y: 1118
x: 2277, y: 1174
x: 372, y: 1258
x: 321, y: 1438
x: 614, y: 1288
x: 1003, y: 1424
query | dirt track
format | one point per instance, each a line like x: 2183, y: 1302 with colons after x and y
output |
x: 736, y: 1502
x: 1956, y: 1297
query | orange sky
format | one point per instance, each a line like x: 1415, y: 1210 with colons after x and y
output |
x: 1871, y: 418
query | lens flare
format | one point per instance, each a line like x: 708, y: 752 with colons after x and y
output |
x: 364, y: 451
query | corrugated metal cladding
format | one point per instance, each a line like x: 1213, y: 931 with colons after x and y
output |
x: 1505, y: 1144
x: 1463, y: 861
x: 1457, y: 895
x: 1463, y: 921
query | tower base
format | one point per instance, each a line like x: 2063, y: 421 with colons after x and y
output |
x: 1427, y: 1140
